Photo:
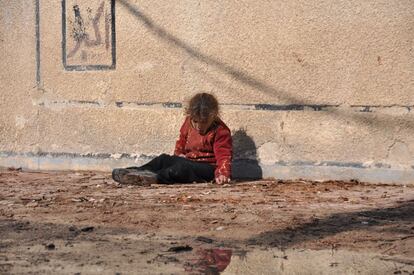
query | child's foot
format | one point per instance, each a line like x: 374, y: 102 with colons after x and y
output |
x: 125, y: 176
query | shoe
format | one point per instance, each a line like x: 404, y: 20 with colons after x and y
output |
x: 142, y: 178
x: 119, y: 173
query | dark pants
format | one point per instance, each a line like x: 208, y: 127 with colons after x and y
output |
x: 173, y: 169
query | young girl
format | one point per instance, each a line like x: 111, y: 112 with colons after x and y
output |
x: 203, y: 151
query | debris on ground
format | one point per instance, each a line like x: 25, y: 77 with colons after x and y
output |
x: 100, y: 226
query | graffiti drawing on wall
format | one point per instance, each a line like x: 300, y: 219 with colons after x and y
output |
x: 88, y: 28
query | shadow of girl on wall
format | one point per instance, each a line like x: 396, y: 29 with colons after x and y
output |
x: 245, y: 161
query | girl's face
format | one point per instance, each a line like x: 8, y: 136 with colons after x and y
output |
x: 200, y: 125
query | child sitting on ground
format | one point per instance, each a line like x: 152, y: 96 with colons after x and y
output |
x: 203, y: 151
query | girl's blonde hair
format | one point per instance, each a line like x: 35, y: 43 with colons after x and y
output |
x: 202, y: 106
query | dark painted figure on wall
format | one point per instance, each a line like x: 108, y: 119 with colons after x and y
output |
x: 88, y: 35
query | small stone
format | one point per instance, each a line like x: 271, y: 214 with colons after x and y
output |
x: 180, y: 248
x: 204, y: 239
x: 87, y: 229
x: 72, y: 228
x: 32, y: 204
x: 50, y: 246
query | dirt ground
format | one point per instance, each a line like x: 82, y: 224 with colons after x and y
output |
x: 85, y: 223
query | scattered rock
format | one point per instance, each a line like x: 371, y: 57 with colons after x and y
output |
x: 180, y: 248
x: 165, y: 259
x: 32, y: 204
x: 81, y: 199
x: 72, y: 228
x: 18, y: 169
x: 50, y: 246
x: 87, y: 229
x: 204, y: 239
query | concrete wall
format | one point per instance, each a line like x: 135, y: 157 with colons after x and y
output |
x: 311, y: 89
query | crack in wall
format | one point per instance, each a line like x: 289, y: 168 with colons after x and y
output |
x: 231, y: 106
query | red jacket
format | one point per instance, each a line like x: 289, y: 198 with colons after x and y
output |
x: 215, y: 147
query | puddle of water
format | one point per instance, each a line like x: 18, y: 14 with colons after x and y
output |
x: 292, y: 261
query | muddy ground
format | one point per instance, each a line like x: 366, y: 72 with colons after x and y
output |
x: 85, y: 223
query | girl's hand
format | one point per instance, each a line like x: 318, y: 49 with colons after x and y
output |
x: 222, y: 179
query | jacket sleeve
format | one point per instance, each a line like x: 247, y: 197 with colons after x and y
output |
x: 182, y: 140
x: 223, y: 150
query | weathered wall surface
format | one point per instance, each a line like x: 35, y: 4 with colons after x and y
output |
x: 311, y: 89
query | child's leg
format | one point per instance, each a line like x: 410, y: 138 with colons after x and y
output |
x: 158, y: 163
x: 186, y: 171
x: 168, y: 169
x: 144, y: 173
